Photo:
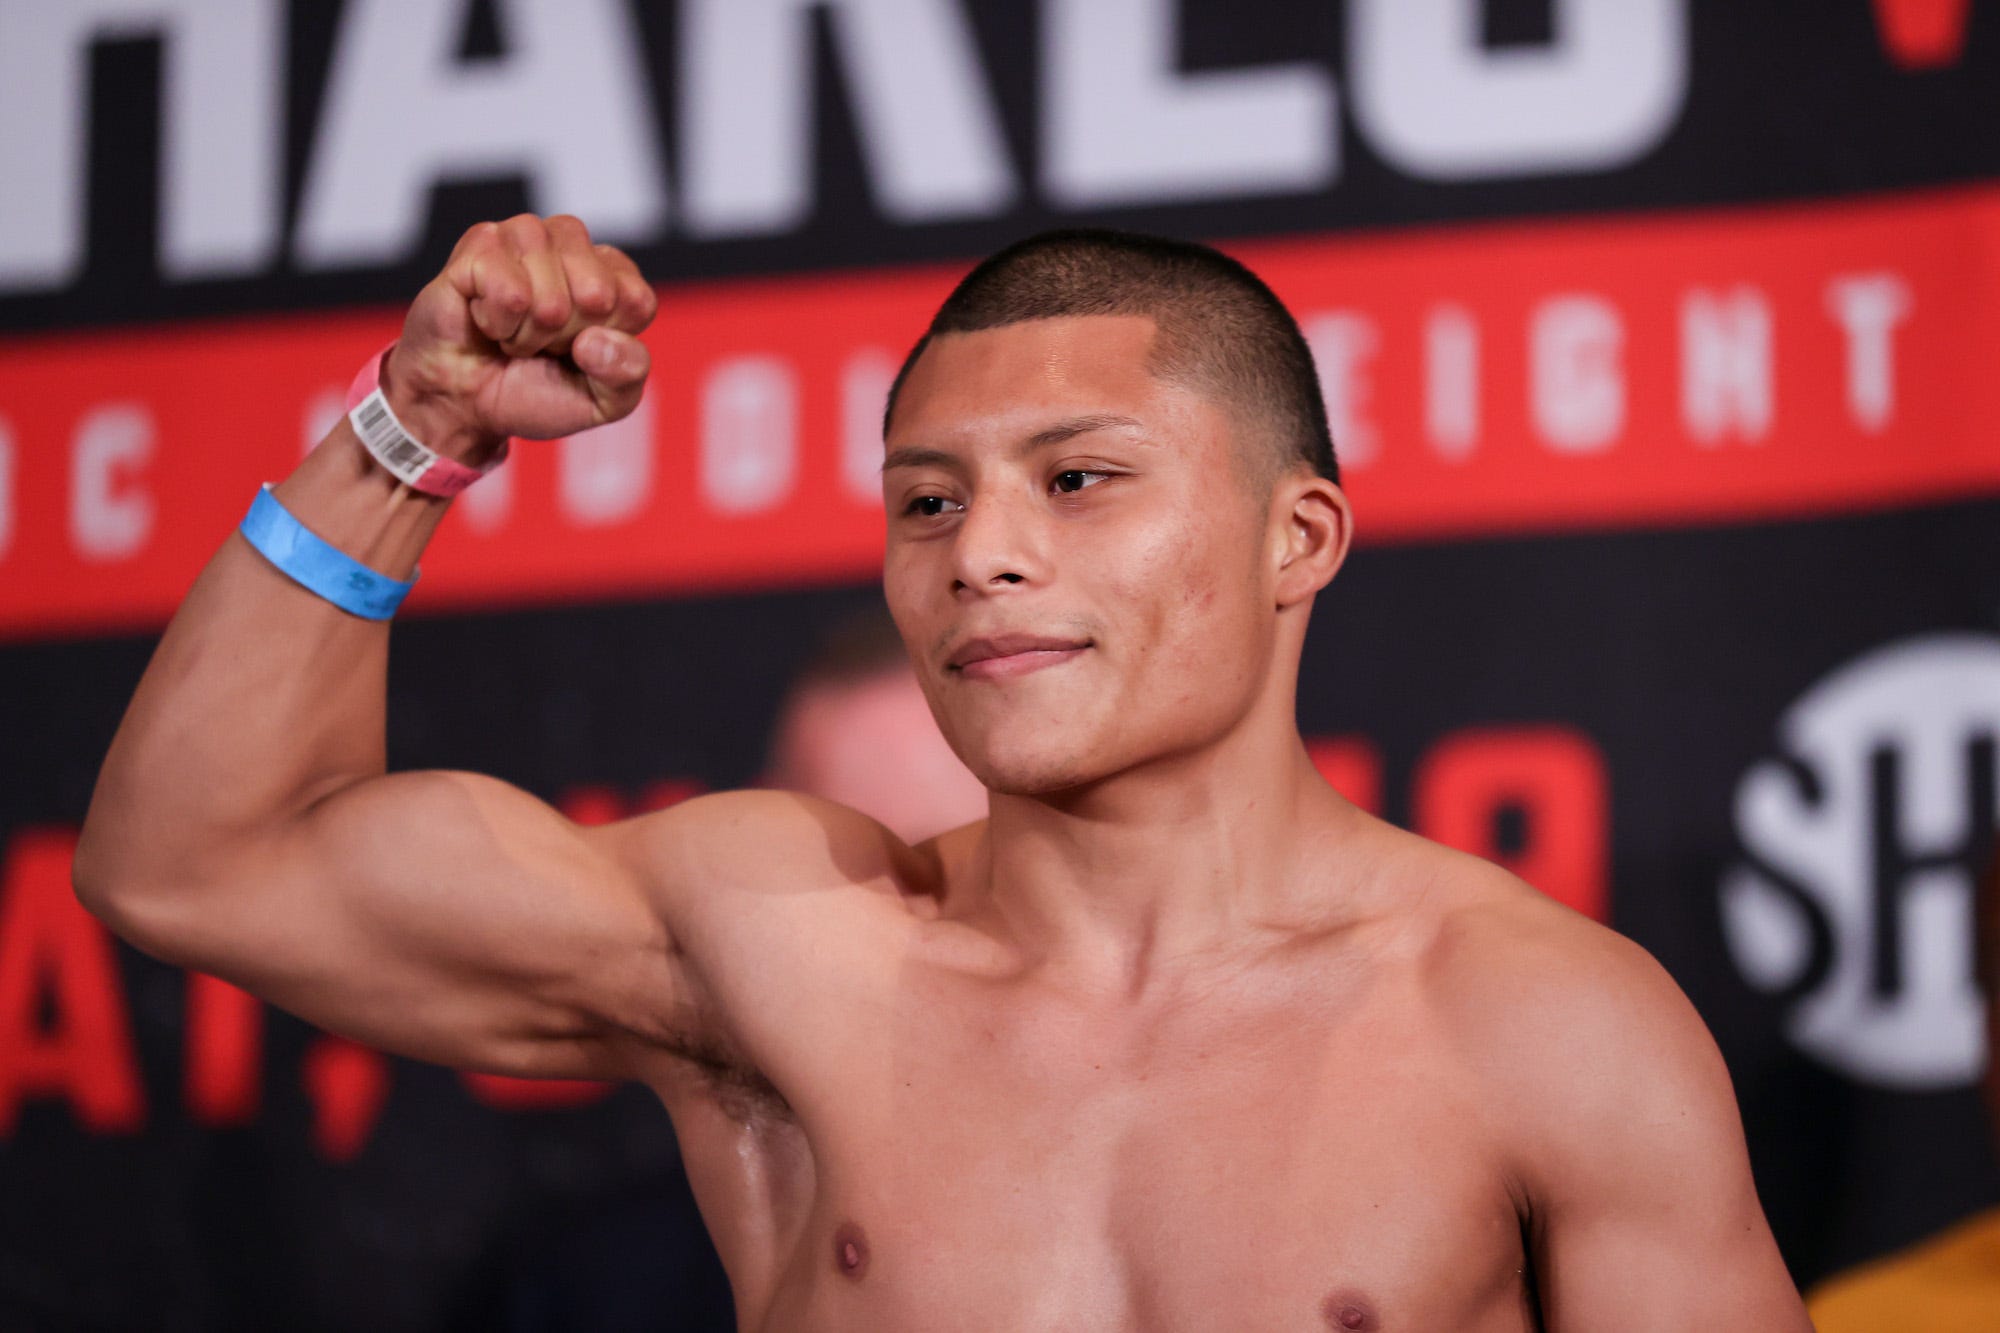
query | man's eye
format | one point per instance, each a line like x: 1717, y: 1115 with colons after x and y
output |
x: 1076, y: 479
x: 928, y: 506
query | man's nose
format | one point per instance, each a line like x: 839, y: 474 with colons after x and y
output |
x: 998, y: 545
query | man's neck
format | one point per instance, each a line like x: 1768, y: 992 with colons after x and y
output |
x: 1165, y: 863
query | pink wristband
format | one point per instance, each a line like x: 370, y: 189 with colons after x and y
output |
x: 395, y: 448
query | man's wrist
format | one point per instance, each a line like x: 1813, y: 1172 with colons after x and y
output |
x: 439, y: 425
x: 393, y: 447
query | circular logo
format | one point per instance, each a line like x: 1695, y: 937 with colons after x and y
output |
x: 1862, y: 840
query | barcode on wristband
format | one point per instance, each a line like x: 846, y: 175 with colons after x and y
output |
x: 402, y: 452
x: 386, y: 439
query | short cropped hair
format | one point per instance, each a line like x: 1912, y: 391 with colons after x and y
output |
x: 1220, y: 330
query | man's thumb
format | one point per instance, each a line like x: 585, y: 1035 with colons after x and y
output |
x: 611, y: 358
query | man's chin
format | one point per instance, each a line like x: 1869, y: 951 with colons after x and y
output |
x: 1023, y: 752
x: 1032, y: 775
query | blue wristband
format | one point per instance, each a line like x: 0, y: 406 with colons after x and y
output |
x: 318, y: 567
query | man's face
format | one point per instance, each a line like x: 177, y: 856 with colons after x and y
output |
x: 1075, y: 557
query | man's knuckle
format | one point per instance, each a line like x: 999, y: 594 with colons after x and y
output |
x: 479, y: 236
x: 634, y: 293
x: 526, y: 231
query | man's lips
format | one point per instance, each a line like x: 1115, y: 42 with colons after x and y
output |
x: 1012, y: 655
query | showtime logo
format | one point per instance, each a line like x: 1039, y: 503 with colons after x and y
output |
x: 1862, y: 841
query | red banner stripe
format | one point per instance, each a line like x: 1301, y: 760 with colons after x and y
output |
x: 1487, y: 379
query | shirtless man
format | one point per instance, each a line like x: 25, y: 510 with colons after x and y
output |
x: 1176, y: 1039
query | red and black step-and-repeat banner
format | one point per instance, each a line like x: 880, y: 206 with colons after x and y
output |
x: 1657, y: 336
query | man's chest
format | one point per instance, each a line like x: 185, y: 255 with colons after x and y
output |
x: 1232, y: 1171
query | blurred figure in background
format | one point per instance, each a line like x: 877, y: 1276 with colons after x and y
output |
x: 853, y: 728
x: 1950, y: 1282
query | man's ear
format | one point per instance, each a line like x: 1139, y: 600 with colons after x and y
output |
x: 1311, y: 527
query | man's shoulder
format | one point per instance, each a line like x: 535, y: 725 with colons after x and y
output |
x: 1599, y: 1102
x: 1488, y: 937
x: 1496, y: 935
x: 1567, y: 1024
x: 778, y: 842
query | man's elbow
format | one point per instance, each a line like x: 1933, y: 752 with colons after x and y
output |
x: 104, y: 875
x: 93, y: 869
x: 130, y: 892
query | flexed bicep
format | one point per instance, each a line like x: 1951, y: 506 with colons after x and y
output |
x: 243, y: 822
x: 440, y: 915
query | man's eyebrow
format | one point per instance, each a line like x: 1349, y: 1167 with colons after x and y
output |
x: 913, y: 456
x: 909, y: 456
x: 1065, y: 430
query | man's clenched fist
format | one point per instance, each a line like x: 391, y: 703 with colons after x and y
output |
x: 528, y: 331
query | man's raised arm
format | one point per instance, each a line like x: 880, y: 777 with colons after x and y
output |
x: 243, y: 823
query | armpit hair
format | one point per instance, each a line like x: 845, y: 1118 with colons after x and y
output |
x: 738, y: 1086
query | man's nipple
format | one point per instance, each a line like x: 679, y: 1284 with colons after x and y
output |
x: 850, y: 1250
x: 1348, y: 1312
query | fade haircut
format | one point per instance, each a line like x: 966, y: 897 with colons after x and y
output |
x: 1219, y: 330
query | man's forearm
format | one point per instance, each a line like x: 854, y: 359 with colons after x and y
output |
x: 261, y: 696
